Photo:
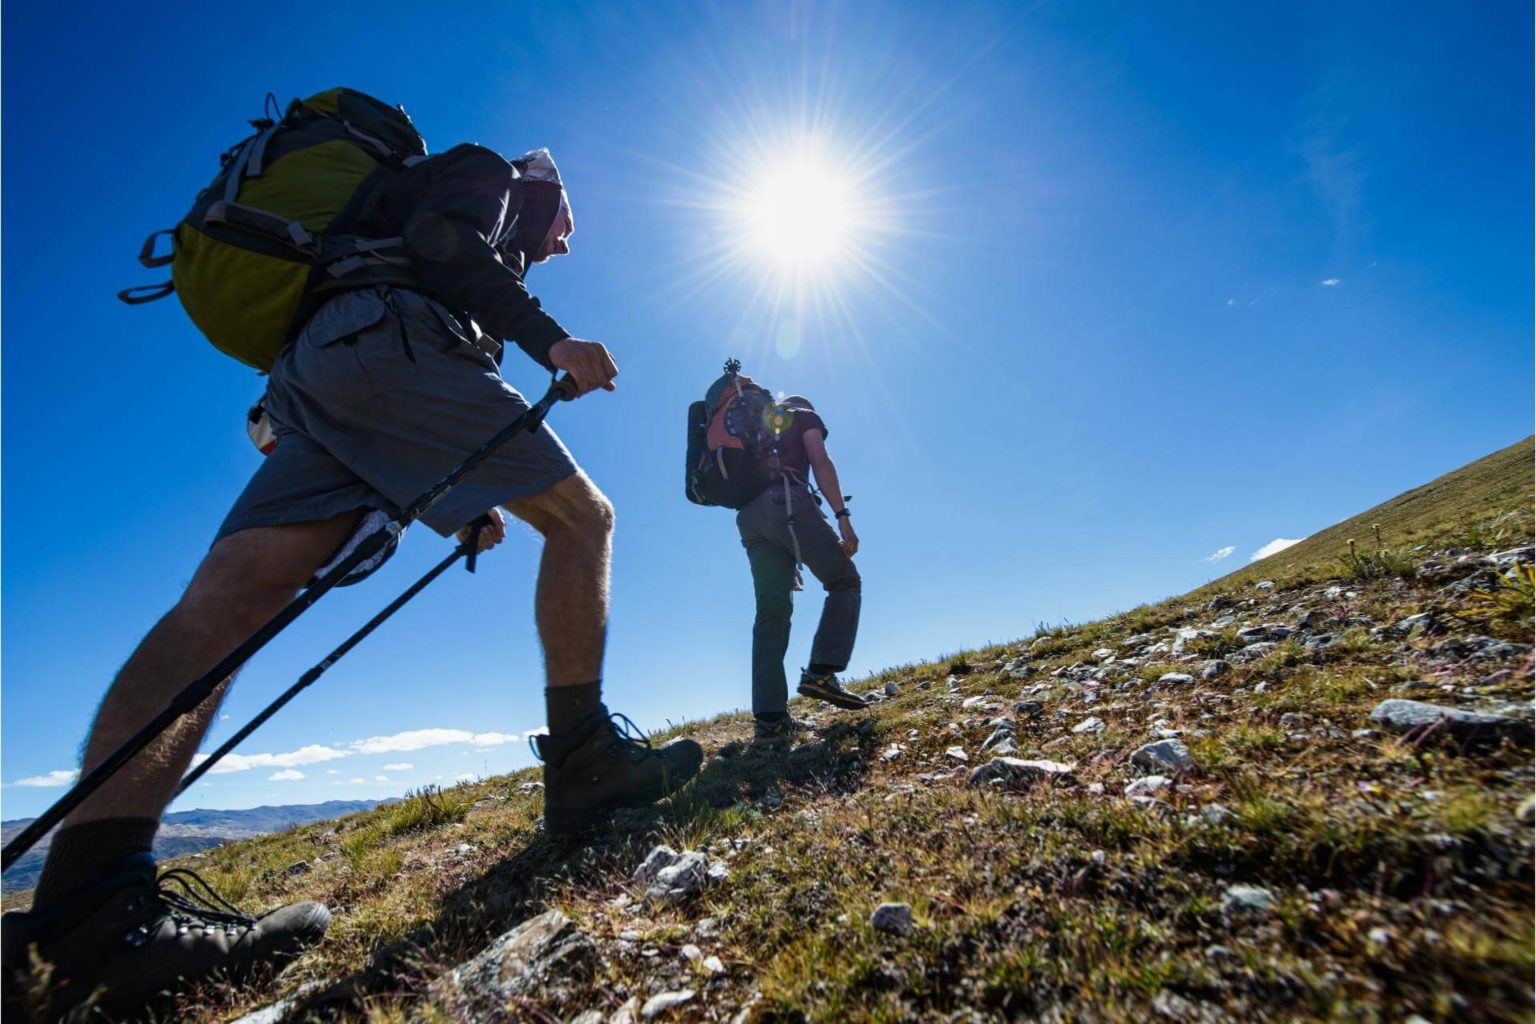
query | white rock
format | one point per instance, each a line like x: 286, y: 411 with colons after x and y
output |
x: 1244, y: 898
x: 661, y: 1002
x: 1147, y: 786
x: 1175, y: 679
x: 957, y: 754
x: 1089, y: 724
x: 658, y: 858
x: 1164, y: 755
x: 1215, y: 814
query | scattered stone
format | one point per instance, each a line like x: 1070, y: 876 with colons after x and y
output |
x: 1096, y: 788
x: 891, y: 688
x: 891, y: 752
x: 1215, y: 669
x: 589, y: 1017
x: 1247, y: 899
x: 1014, y: 772
x: 627, y: 1013
x: 530, y: 787
x: 520, y: 967
x: 661, y: 1002
x: 673, y: 876
x: 278, y: 1012
x: 1006, y: 748
x: 302, y: 867
x: 1098, y: 856
x: 713, y: 965
x: 1147, y: 786
x: 1264, y: 585
x: 1512, y: 557
x: 1253, y: 652
x: 1417, y: 718
x: 1215, y: 814
x: 1166, y: 755
x: 1089, y: 724
x: 892, y: 918
x: 1365, y: 734
x: 957, y: 754
x: 1175, y: 679
x: 1526, y: 813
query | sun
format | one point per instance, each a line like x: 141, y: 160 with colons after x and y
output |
x: 800, y: 212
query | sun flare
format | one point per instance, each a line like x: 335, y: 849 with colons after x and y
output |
x: 800, y: 213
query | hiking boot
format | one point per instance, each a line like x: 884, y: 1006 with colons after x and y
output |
x: 595, y: 768
x: 119, y: 944
x: 779, y: 732
x: 826, y: 687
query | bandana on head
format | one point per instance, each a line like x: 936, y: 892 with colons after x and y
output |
x: 545, y: 220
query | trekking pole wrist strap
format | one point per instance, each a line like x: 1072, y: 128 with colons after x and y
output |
x: 842, y: 513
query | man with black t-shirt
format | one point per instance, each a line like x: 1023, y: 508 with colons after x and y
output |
x: 783, y: 528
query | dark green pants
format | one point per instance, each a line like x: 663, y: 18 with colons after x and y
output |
x: 765, y: 533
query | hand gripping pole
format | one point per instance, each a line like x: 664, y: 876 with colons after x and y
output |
x: 201, y: 688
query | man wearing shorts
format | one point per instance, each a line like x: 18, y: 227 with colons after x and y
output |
x: 380, y: 394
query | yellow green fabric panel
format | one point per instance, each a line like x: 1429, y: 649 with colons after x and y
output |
x: 328, y: 102
x: 329, y: 173
x: 242, y: 301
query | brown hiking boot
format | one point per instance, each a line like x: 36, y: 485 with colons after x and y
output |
x: 595, y: 768
x: 119, y: 945
x: 779, y: 732
x: 825, y: 687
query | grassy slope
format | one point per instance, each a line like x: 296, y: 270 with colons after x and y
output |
x: 1469, y: 505
x: 1402, y: 876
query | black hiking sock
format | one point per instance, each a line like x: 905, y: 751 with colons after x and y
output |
x: 566, y: 706
x: 81, y: 855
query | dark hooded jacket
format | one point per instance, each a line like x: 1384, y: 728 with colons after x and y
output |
x: 467, y: 218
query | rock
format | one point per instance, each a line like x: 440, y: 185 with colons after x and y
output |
x: 1423, y: 622
x: 1364, y: 734
x: 957, y: 754
x: 1215, y: 814
x: 1215, y: 669
x: 1513, y: 557
x: 1147, y: 786
x: 1264, y: 585
x: 1418, y: 718
x: 1247, y: 899
x: 628, y: 1013
x: 686, y: 874
x: 658, y: 858
x: 530, y: 787
x: 1029, y: 708
x: 1174, y: 679
x: 1098, y: 856
x: 1164, y: 755
x: 1412, y: 685
x: 1526, y: 812
x: 1269, y: 631
x: 1253, y: 652
x: 525, y: 966
x: 1017, y: 773
x: 714, y: 965
x: 589, y: 1017
x: 892, y: 918
x: 278, y: 1012
x: 661, y: 1002
x: 1007, y: 748
x: 1089, y: 724
x: 891, y: 689
x: 1103, y: 653
x: 300, y: 868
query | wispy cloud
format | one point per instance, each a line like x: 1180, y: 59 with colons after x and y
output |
x: 286, y: 775
x: 1278, y: 544
x: 403, y: 766
x: 381, y: 778
x: 1330, y: 282
x: 356, y: 782
x: 55, y: 778
x: 312, y: 754
x: 1220, y: 553
x: 419, y: 739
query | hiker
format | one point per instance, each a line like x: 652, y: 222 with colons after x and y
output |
x: 392, y: 378
x: 755, y: 455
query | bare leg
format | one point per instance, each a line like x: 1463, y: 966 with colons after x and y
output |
x: 571, y: 606
x: 242, y: 582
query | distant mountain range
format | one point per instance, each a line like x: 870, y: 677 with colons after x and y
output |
x: 189, y: 831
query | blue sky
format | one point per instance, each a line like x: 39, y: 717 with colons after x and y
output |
x: 1128, y: 285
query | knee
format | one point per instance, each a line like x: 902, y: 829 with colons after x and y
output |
x: 849, y: 582
x: 572, y: 509
x: 774, y: 608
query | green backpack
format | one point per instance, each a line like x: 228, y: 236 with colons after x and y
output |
x: 268, y: 239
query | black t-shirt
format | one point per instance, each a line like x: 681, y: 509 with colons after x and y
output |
x: 792, y: 454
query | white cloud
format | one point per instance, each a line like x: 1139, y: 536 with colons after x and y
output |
x: 286, y: 775
x: 1276, y: 545
x: 419, y: 739
x: 381, y: 778
x: 312, y: 754
x: 403, y: 766
x: 1219, y: 553
x: 356, y: 782
x: 1231, y: 302
x: 54, y: 778
x: 465, y: 777
x: 333, y: 771
x: 1330, y: 282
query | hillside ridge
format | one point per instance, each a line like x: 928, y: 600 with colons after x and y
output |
x: 1304, y: 796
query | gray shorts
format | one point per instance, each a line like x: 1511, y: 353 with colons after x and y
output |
x: 379, y: 396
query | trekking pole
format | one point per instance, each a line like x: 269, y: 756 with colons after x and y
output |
x: 202, y: 687
x: 468, y: 550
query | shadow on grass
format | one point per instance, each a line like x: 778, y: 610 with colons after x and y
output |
x: 742, y: 780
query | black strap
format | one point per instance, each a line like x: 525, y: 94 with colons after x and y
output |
x: 146, y: 293
x: 147, y: 255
